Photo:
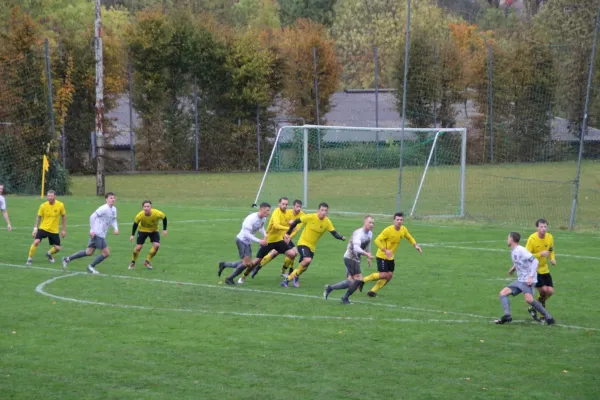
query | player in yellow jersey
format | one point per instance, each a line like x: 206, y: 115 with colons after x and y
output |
x: 315, y: 226
x: 276, y: 230
x: 291, y: 215
x: 47, y: 220
x: 541, y: 245
x: 387, y: 242
x: 146, y: 222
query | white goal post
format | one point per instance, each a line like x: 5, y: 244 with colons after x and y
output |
x: 335, y: 163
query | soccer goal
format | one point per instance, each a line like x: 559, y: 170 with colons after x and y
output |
x: 369, y: 170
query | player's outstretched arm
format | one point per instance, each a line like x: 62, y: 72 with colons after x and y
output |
x: 337, y: 235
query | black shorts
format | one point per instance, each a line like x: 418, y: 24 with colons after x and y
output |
x: 53, y: 238
x: 280, y: 247
x: 544, y: 280
x: 291, y: 245
x: 385, y: 265
x: 305, y: 252
x: 142, y: 236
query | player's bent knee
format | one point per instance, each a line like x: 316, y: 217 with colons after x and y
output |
x: 36, y: 242
x: 106, y: 252
x: 549, y: 291
x: 57, y: 248
x: 528, y: 298
x: 89, y: 251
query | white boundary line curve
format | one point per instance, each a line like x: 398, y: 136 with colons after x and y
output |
x: 40, y: 289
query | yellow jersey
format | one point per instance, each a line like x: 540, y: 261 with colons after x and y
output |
x: 278, y: 226
x: 50, y: 214
x: 390, y: 239
x: 149, y: 223
x: 535, y: 245
x: 314, y: 228
x: 293, y: 216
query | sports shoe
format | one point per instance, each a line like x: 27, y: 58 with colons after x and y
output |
x: 284, y: 282
x: 29, y: 261
x: 533, y: 314
x: 242, y: 279
x: 505, y: 319
x: 326, y: 292
x: 132, y: 265
x: 255, y: 271
x: 284, y: 275
x: 296, y: 281
x: 550, y: 321
x: 371, y: 293
x: 92, y: 270
x: 221, y: 268
x: 229, y: 281
x: 345, y: 301
x: 65, y: 262
x: 147, y: 264
x: 50, y: 258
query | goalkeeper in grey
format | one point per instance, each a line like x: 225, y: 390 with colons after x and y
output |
x: 526, y: 266
x: 359, y: 246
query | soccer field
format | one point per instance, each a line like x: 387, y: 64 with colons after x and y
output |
x: 178, y: 332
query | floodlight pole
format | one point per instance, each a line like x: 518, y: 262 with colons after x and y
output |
x: 99, y: 101
x: 406, y: 45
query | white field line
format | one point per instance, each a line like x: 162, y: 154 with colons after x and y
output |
x: 486, y: 249
x: 186, y: 221
x: 40, y: 289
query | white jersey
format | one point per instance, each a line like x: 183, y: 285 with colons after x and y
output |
x: 2, y: 203
x: 102, y: 218
x: 359, y: 243
x: 525, y: 263
x: 252, y: 224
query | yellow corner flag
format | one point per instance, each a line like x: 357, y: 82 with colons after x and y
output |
x: 45, y: 168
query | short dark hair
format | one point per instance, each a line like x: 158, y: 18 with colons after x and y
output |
x: 108, y: 194
x: 515, y: 236
x: 297, y: 202
x: 50, y: 192
x: 146, y: 201
x: 264, y: 204
x: 399, y: 214
x: 282, y: 198
x: 540, y: 221
x: 323, y: 204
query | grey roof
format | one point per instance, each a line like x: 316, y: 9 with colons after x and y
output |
x: 349, y: 109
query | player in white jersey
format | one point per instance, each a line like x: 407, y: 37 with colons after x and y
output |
x: 100, y: 221
x: 526, y: 266
x: 252, y: 224
x: 3, y: 209
x: 360, y: 245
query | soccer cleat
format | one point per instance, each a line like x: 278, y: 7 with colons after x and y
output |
x: 326, y: 292
x: 29, y: 261
x: 371, y: 293
x: 65, y: 262
x: 255, y: 271
x: 242, y: 279
x: 132, y: 265
x: 296, y: 281
x: 92, y: 270
x: 50, y: 258
x: 345, y: 301
x: 505, y: 319
x: 284, y: 282
x: 229, y: 281
x: 221, y: 268
x: 550, y: 321
x: 147, y: 264
x: 533, y: 314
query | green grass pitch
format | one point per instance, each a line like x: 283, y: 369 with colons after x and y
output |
x: 177, y: 332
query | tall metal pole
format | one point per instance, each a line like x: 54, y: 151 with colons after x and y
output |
x: 258, y: 135
x: 131, y: 140
x: 376, y: 68
x: 99, y: 101
x: 49, y: 79
x: 196, y: 134
x: 491, y: 101
x: 316, y: 83
x: 406, y: 46
x: 584, y: 123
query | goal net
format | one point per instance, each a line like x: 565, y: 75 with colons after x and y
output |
x: 369, y: 170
